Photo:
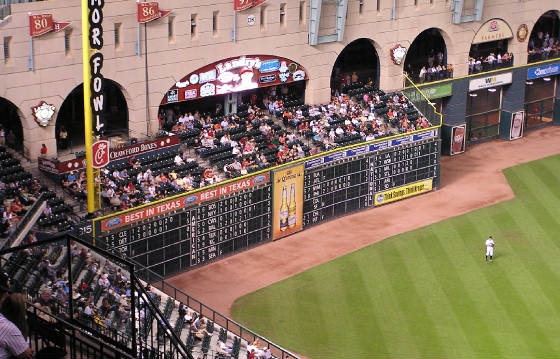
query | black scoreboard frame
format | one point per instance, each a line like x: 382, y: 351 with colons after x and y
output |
x: 195, y: 228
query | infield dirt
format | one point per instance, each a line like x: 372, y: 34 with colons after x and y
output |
x: 469, y: 181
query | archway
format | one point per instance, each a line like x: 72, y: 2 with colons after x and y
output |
x: 230, y: 85
x: 426, y: 58
x: 489, y: 47
x: 544, y: 41
x: 11, y: 123
x: 358, y: 57
x: 71, y: 115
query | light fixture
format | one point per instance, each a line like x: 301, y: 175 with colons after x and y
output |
x: 492, y: 89
x: 528, y: 82
x: 546, y: 79
x: 473, y: 95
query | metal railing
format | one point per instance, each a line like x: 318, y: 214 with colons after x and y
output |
x: 5, y: 8
x: 228, y: 324
x: 22, y: 263
x: 35, y: 207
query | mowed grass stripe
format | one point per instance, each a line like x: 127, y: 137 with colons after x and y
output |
x: 429, y: 292
x: 358, y: 309
x: 417, y: 319
x: 459, y: 298
x: 536, y: 277
x: 490, y: 308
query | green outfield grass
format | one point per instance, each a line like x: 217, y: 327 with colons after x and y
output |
x: 429, y: 293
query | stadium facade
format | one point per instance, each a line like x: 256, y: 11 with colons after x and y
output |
x: 146, y: 62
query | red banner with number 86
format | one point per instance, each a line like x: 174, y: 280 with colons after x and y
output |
x: 148, y: 11
x: 40, y: 24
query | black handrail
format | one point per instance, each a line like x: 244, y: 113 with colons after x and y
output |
x: 137, y: 285
x: 26, y: 218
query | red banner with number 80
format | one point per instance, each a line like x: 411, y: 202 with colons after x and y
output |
x: 40, y: 24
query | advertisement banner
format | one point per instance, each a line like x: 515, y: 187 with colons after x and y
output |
x: 517, y: 124
x: 48, y: 165
x: 490, y: 81
x: 403, y: 192
x: 542, y: 71
x: 235, y: 74
x: 183, y: 202
x: 287, y: 214
x: 440, y: 91
x: 458, y: 139
x: 100, y: 151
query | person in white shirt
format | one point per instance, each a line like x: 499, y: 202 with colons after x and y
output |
x: 178, y: 160
x: 490, y: 248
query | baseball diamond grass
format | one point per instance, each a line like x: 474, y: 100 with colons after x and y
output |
x: 429, y: 293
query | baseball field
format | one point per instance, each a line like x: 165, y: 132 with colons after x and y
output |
x: 429, y: 292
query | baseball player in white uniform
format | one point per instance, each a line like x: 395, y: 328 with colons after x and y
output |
x: 489, y: 248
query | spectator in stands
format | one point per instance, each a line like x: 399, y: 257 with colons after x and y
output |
x: 63, y: 138
x: 12, y: 341
x: 45, y: 301
x: 223, y: 348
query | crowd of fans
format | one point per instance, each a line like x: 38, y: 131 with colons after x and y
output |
x: 251, y: 140
x: 361, y: 114
x: 101, y: 299
x: 543, y: 47
x: 491, y: 62
x: 19, y: 191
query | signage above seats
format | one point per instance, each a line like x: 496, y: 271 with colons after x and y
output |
x: 233, y: 75
x: 492, y: 30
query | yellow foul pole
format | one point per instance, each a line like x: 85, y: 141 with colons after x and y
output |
x: 87, y: 106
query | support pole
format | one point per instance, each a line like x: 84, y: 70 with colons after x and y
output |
x: 87, y: 107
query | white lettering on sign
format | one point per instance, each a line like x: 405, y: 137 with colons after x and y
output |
x: 237, y: 63
x: 96, y: 62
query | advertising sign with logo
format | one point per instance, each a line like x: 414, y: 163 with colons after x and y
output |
x: 542, y: 71
x: 47, y: 165
x: 458, y: 139
x: 172, y: 96
x: 236, y: 74
x: 118, y: 154
x: 440, y: 91
x: 490, y: 81
x: 43, y: 23
x: 403, y: 192
x: 149, y: 11
x: 183, y: 202
x: 43, y: 113
x: 267, y: 79
x: 517, y: 123
x: 287, y: 213
x: 492, y: 30
x: 100, y: 153
x: 189, y: 94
